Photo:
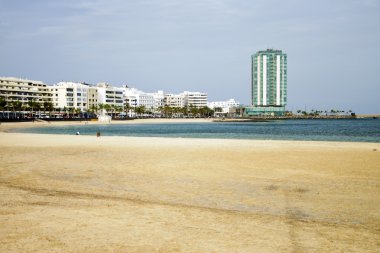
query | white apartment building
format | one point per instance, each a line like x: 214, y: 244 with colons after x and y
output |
x: 146, y: 100
x: 92, y: 98
x: 224, y: 105
x: 151, y: 101
x: 174, y: 100
x: 130, y: 100
x: 23, y: 90
x: 108, y: 94
x: 159, y: 100
x: 196, y: 99
x: 70, y: 95
x: 135, y: 98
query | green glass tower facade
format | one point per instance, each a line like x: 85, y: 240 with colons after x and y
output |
x: 269, y: 83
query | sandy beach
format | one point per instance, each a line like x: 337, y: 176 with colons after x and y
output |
x: 127, y: 194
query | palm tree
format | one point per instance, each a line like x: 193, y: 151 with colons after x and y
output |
x: 65, y: 110
x: 205, y: 111
x: 72, y: 111
x: 184, y: 111
x: 107, y: 107
x: 77, y: 111
x: 101, y: 107
x: 17, y: 105
x: 127, y: 108
x: 160, y: 110
x: 12, y: 105
x: 193, y: 110
x: 32, y: 104
x: 167, y: 110
x: 133, y: 110
x: 3, y: 105
x: 118, y: 109
x: 174, y: 111
x: 45, y: 105
x: 48, y: 106
x: 112, y: 108
x: 140, y: 110
x: 93, y: 109
x: 150, y: 111
x: 38, y: 107
x: 209, y: 111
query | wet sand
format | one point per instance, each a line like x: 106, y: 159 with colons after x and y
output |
x: 124, y: 194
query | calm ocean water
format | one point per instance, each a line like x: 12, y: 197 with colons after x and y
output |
x: 356, y: 130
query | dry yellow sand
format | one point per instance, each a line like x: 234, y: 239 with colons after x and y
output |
x: 122, y: 194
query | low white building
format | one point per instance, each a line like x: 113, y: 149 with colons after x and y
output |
x: 225, y: 106
x: 136, y: 98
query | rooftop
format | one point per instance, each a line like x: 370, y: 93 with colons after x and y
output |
x: 269, y: 50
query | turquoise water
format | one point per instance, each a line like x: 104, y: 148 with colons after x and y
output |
x: 355, y: 130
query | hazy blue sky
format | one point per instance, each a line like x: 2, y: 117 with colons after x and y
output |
x: 333, y: 46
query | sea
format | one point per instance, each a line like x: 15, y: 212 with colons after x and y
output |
x: 346, y: 130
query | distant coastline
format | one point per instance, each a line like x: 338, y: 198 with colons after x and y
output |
x: 269, y: 118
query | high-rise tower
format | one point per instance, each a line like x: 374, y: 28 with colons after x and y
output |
x: 269, y: 83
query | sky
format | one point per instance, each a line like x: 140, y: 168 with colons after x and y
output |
x: 333, y: 46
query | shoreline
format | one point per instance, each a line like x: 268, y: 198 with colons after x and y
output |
x: 6, y: 127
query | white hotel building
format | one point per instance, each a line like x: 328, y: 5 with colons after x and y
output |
x: 23, y: 90
x: 174, y: 100
x: 226, y: 106
x: 196, y: 99
x: 108, y: 94
x: 70, y: 95
x: 159, y: 100
x: 135, y: 98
